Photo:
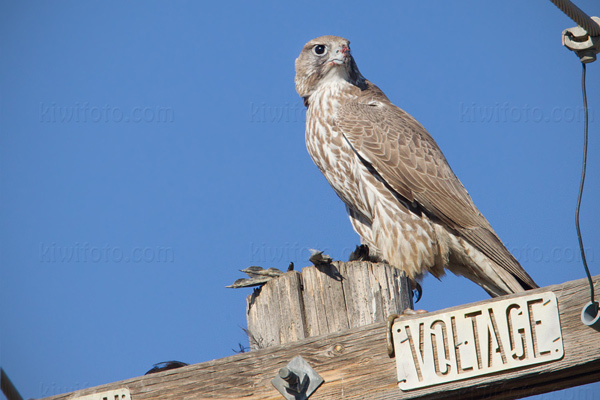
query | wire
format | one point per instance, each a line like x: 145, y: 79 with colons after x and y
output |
x: 585, y: 146
x: 9, y: 390
x: 580, y: 18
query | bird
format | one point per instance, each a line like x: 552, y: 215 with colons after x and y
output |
x: 401, y: 195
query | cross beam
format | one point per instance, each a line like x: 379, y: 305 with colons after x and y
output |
x: 355, y: 365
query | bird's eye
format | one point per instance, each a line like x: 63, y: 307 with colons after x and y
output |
x: 320, y: 49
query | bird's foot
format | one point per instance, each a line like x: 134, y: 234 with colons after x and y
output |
x: 363, y: 253
x: 390, y: 323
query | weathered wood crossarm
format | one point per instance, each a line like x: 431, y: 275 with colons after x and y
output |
x: 355, y: 365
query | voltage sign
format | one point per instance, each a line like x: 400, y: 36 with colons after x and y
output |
x: 478, y: 340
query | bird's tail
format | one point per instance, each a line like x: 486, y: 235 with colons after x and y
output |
x: 493, y: 267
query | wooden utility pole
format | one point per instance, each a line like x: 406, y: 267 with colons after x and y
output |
x: 354, y: 364
x: 325, y: 299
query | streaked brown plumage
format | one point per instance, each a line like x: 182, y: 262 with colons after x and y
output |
x: 400, y: 193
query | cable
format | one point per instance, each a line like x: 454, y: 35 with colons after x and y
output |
x: 585, y: 146
x: 580, y: 18
x: 8, y: 388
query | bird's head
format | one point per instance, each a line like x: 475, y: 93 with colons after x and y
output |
x: 323, y: 59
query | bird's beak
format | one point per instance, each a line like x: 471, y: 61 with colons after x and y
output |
x: 341, y: 56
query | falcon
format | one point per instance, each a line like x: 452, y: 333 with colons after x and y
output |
x: 400, y: 193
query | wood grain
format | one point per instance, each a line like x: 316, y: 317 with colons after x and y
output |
x: 325, y: 299
x: 355, y: 365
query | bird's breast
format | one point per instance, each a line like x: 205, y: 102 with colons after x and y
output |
x: 334, y: 156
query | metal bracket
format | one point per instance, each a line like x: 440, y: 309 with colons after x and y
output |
x: 585, y: 46
x: 297, y: 380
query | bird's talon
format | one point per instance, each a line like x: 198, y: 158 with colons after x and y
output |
x: 363, y: 253
x: 418, y: 291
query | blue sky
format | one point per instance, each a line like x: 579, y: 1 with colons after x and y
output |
x: 149, y: 150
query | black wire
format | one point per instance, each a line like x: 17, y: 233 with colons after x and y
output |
x: 585, y: 145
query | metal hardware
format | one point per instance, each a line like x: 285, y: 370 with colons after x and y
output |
x: 297, y: 380
x: 582, y: 43
x: 590, y: 315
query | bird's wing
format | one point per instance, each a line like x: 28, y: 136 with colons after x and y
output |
x: 407, y: 158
